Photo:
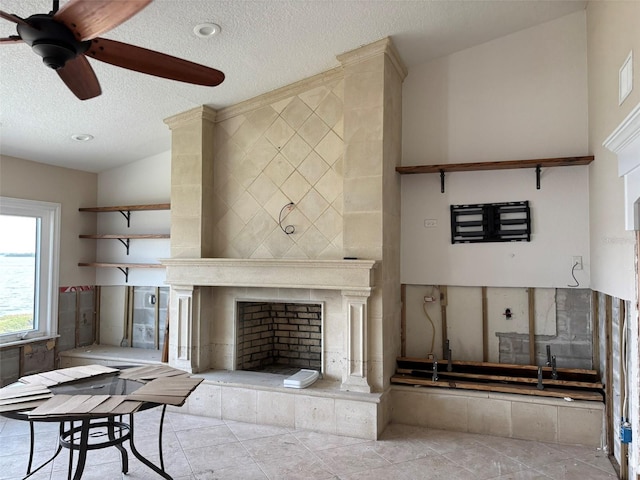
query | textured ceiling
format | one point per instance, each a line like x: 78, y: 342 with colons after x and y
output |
x: 264, y: 45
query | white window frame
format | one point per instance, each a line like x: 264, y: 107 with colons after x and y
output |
x: 47, y: 266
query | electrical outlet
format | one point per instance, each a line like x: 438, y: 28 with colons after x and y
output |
x: 430, y: 223
x: 576, y: 262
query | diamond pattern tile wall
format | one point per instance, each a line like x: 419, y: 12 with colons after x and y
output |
x: 289, y: 151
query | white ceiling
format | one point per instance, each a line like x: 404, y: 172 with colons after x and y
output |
x: 264, y: 45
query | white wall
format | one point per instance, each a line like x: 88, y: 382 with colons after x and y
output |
x: 560, y: 229
x: 522, y: 96
x: 142, y: 182
x: 72, y: 189
x: 613, y: 31
x: 517, y: 97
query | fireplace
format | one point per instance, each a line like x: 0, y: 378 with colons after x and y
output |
x: 205, y: 293
x: 278, y: 337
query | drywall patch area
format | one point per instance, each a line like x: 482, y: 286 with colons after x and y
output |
x: 572, y: 345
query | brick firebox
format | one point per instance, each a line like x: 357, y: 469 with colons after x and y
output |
x: 279, y: 334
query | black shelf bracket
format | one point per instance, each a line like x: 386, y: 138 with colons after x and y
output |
x: 125, y: 242
x: 441, y: 181
x: 125, y: 271
x: 126, y: 214
x: 538, y: 169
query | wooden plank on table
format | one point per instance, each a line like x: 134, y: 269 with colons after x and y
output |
x: 30, y: 398
x: 150, y: 372
x: 57, y: 377
x: 93, y: 370
x: 168, y: 390
x: 88, y: 405
x: 21, y: 390
x: 110, y: 403
x: 44, y: 409
x: 500, y: 388
x: 18, y: 407
x: 126, y: 407
x: 73, y: 402
x: 176, y: 400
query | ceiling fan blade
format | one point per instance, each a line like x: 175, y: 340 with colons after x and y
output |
x: 153, y: 63
x: 11, y: 39
x: 12, y: 18
x: 89, y: 18
x: 79, y: 76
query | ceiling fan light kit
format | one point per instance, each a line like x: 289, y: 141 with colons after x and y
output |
x: 65, y: 37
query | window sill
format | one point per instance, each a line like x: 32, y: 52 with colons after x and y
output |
x: 18, y: 343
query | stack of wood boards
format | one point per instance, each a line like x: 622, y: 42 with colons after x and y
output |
x: 151, y: 372
x: 58, y: 377
x: 577, y: 384
x: 19, y: 397
x: 65, y: 406
x: 163, y: 385
x: 167, y: 390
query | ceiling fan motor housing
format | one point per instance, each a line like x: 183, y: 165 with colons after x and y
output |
x: 53, y: 41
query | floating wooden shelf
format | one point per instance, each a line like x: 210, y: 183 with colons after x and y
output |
x: 124, y: 239
x: 505, y: 165
x: 127, y: 208
x: 130, y: 236
x: 123, y: 267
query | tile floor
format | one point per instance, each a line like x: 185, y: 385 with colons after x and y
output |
x: 202, y: 448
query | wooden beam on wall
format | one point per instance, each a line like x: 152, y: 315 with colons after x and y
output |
x: 608, y: 314
x: 485, y: 327
x: 403, y: 320
x: 532, y: 326
x: 595, y: 332
x: 444, y: 301
x: 624, y: 448
x: 97, y: 293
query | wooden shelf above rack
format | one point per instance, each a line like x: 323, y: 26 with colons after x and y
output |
x: 506, y: 165
x: 538, y: 164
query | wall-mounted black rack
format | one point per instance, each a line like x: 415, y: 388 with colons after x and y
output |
x: 491, y: 222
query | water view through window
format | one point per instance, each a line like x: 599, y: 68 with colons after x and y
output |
x: 18, y: 273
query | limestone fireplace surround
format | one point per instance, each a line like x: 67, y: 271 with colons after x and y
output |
x: 195, y: 312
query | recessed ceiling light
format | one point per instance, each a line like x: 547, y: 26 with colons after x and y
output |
x: 82, y: 137
x: 205, y: 30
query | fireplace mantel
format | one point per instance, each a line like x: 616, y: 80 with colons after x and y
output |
x: 271, y: 273
x: 190, y: 319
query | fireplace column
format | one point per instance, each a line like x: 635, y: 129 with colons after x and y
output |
x: 354, y: 373
x: 188, y: 331
x: 192, y: 208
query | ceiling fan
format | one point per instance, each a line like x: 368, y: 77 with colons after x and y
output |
x: 66, y: 36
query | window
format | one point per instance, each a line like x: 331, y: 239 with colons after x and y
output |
x: 29, y: 240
